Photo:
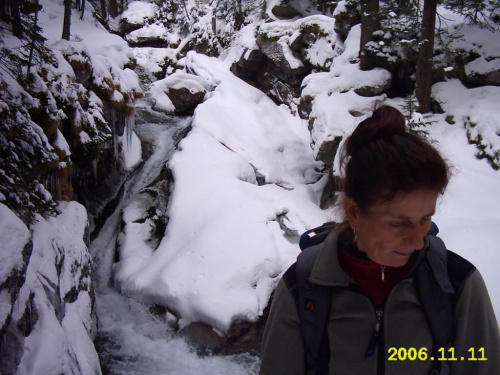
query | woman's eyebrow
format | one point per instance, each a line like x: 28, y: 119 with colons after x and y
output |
x: 403, y: 217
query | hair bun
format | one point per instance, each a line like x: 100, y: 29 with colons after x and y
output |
x: 385, y: 122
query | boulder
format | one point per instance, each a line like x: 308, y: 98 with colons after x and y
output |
x: 326, y: 154
x: 283, y: 10
x: 346, y: 18
x: 136, y: 15
x: 178, y: 93
x: 318, y: 48
x: 286, y: 66
x: 184, y: 99
x: 126, y: 26
x: 204, y: 338
x: 483, y: 72
x: 249, y: 63
x: 369, y: 91
x: 149, y: 36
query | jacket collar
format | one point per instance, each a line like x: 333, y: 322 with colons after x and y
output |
x: 327, y: 270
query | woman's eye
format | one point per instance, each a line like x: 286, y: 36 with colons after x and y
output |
x: 397, y: 224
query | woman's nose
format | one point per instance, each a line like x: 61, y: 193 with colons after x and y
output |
x: 416, y: 238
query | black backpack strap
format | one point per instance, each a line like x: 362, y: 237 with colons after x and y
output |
x: 438, y: 279
x: 313, y: 305
x: 316, y: 235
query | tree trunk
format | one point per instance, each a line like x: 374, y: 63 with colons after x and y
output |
x: 83, y: 9
x: 104, y: 13
x: 423, y: 82
x: 67, y: 20
x: 4, y: 10
x: 370, y: 23
x: 113, y: 8
x: 33, y: 43
x: 15, y: 13
x: 239, y: 18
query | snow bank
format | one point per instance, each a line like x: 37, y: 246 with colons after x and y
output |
x: 476, y: 110
x: 58, y: 282
x: 14, y: 239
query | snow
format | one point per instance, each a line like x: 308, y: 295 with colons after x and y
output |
x: 287, y: 31
x: 333, y: 93
x: 475, y: 109
x: 138, y: 11
x: 482, y: 65
x: 15, y: 237
x: 223, y: 227
x: 56, y: 268
x: 147, y: 32
x: 152, y: 59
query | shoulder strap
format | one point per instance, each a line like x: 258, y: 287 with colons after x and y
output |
x: 313, y: 304
x: 316, y: 235
x: 438, y: 279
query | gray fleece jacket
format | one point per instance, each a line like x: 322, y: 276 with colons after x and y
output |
x: 352, y: 320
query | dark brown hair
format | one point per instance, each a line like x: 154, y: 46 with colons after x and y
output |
x: 381, y: 159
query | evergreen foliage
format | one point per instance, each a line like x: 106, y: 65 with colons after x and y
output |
x: 416, y: 122
x: 484, y: 13
x: 25, y: 153
x: 210, y: 27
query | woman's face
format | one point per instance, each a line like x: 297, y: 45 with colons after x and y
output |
x: 390, y: 232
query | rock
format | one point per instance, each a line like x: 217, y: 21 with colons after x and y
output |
x: 330, y: 192
x: 285, y: 11
x: 285, y: 65
x: 185, y: 100
x: 281, y: 92
x: 316, y: 49
x: 450, y: 119
x: 127, y: 27
x: 148, y: 36
x: 203, y: 337
x: 179, y: 93
x: 249, y: 63
x: 483, y: 72
x: 305, y: 106
x: 375, y: 90
x: 328, y: 150
x: 83, y: 72
x: 326, y: 154
x: 346, y: 19
x: 16, y: 249
x: 244, y: 338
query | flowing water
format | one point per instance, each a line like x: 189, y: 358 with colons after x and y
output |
x: 131, y: 339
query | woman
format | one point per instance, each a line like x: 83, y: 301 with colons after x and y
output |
x: 376, y: 322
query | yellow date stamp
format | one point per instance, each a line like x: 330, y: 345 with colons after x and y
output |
x: 443, y: 354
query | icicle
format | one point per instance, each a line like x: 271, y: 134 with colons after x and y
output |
x: 129, y: 128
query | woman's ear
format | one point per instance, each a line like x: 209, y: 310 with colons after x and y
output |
x: 352, y: 210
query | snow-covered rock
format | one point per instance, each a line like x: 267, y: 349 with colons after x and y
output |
x: 178, y: 93
x: 49, y: 321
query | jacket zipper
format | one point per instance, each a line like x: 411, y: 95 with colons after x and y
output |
x: 372, y: 345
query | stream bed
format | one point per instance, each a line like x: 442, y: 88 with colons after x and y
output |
x: 132, y: 338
